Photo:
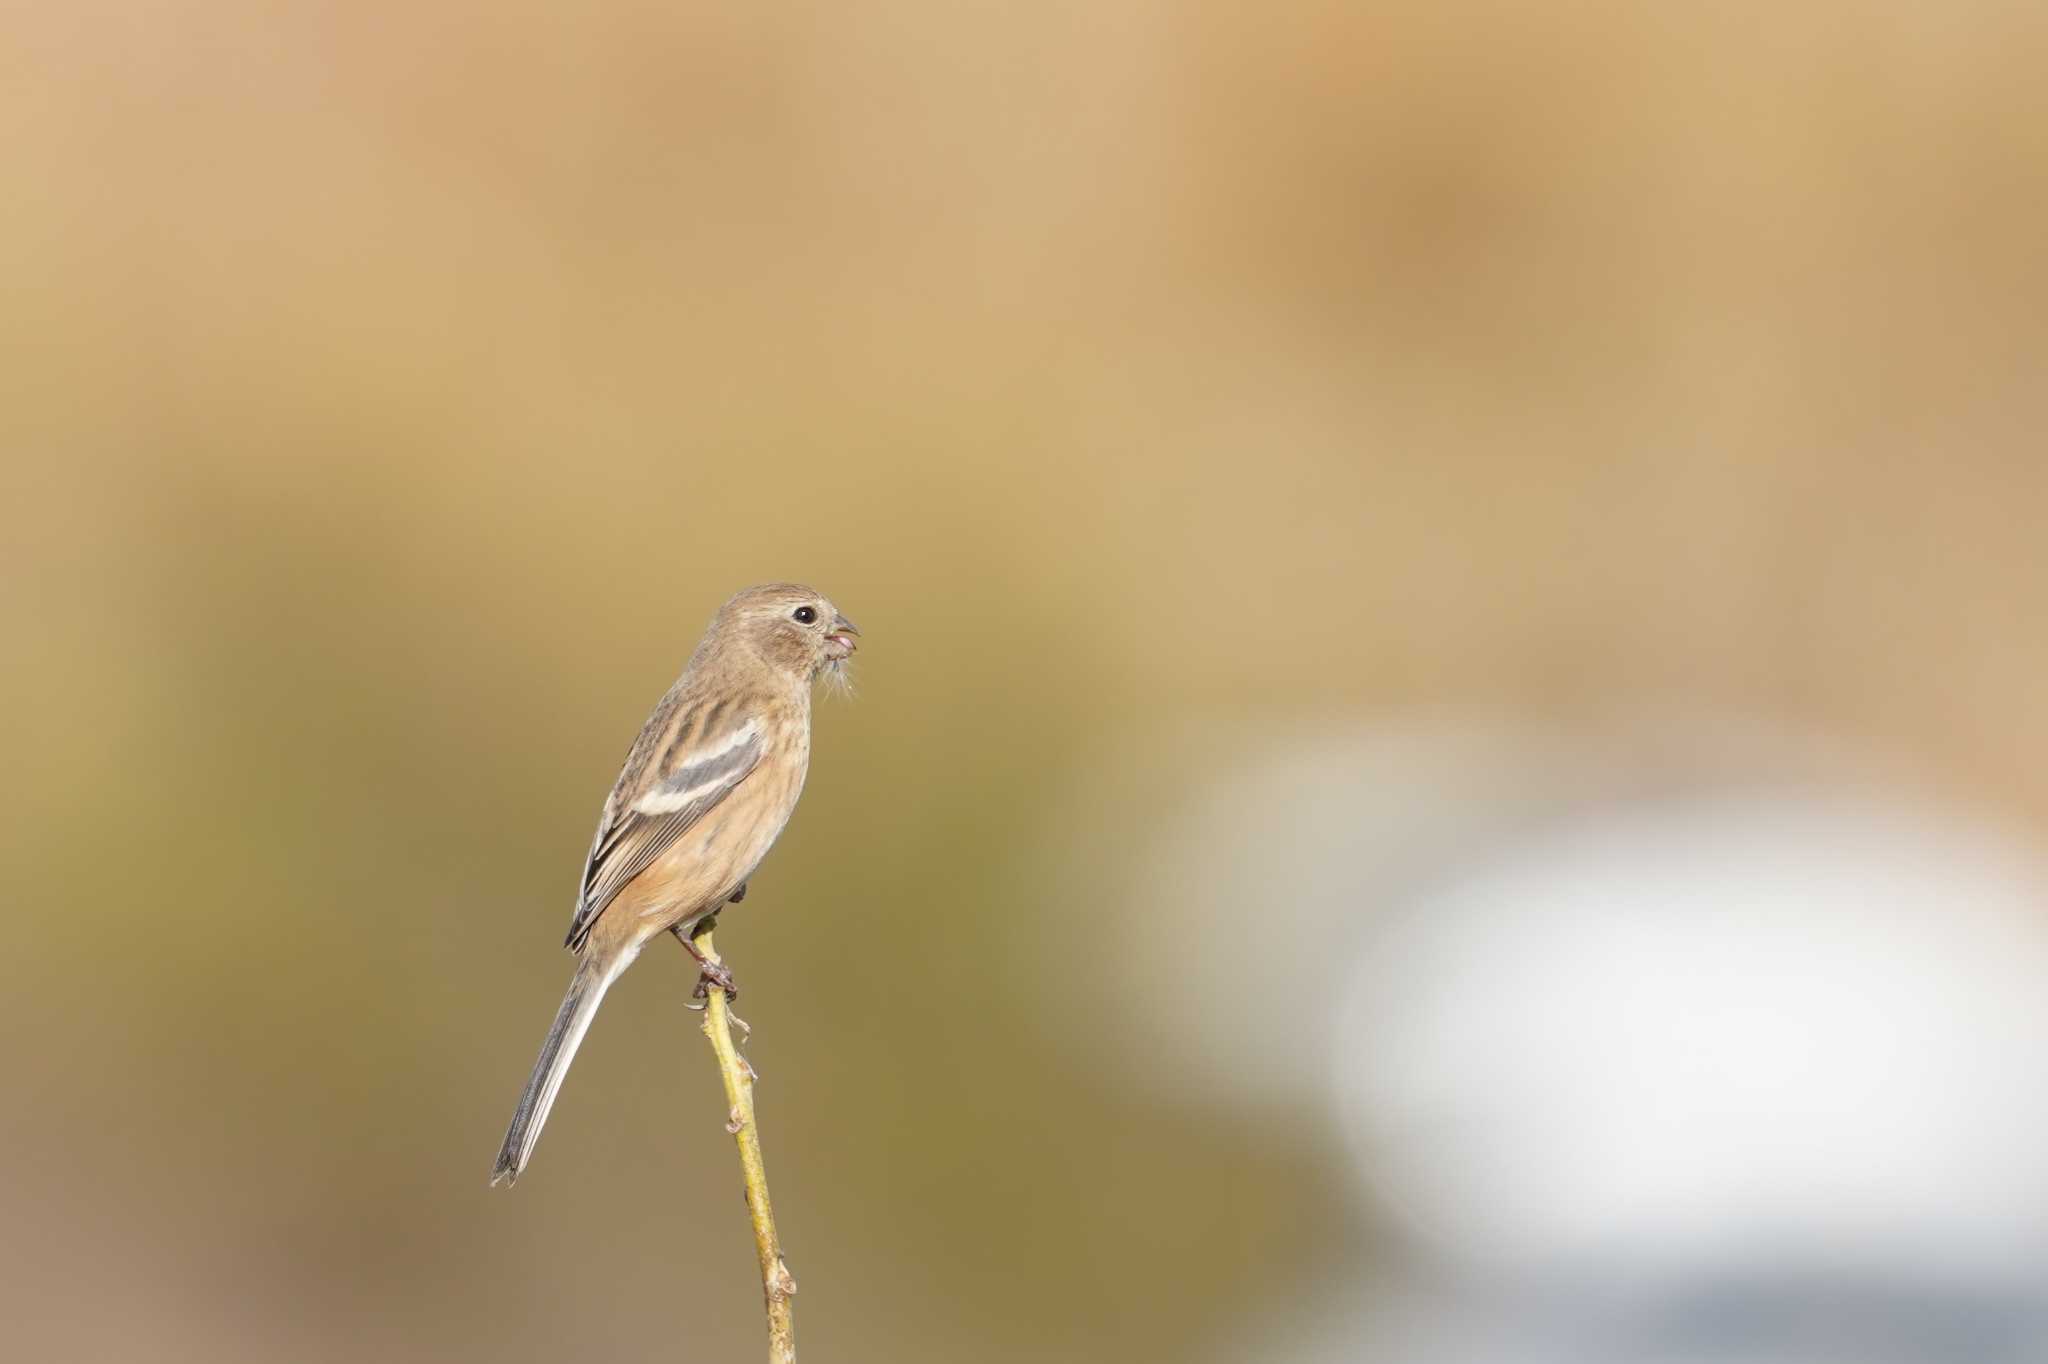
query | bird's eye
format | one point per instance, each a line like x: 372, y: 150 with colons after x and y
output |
x: 804, y: 615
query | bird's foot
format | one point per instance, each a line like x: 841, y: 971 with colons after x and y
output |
x: 709, y: 972
x: 714, y: 974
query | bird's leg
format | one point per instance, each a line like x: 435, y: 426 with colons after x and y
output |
x: 709, y: 973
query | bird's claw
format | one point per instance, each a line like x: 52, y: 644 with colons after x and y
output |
x: 713, y: 973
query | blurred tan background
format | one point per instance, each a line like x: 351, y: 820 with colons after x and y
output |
x: 390, y: 392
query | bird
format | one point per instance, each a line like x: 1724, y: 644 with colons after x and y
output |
x: 705, y: 791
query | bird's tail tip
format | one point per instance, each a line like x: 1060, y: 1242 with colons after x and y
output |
x: 511, y: 1162
x: 586, y: 991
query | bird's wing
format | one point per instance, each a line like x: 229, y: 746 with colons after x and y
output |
x: 687, y: 761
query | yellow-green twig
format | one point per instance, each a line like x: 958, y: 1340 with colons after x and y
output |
x: 777, y: 1285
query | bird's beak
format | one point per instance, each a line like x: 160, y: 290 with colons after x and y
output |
x: 843, y: 634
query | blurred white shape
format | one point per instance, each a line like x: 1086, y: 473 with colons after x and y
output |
x: 1686, y: 1044
x: 1710, y: 1024
x: 1268, y: 872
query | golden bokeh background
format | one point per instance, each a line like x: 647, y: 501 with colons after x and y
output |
x: 390, y: 392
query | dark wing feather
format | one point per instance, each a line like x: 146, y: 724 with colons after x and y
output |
x: 643, y: 819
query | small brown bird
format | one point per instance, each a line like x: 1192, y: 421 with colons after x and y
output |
x: 704, y: 793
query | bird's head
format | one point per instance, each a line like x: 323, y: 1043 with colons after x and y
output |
x: 796, y: 629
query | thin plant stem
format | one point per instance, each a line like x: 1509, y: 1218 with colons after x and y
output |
x: 777, y: 1284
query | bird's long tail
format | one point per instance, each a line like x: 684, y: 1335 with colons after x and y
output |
x: 572, y: 1020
